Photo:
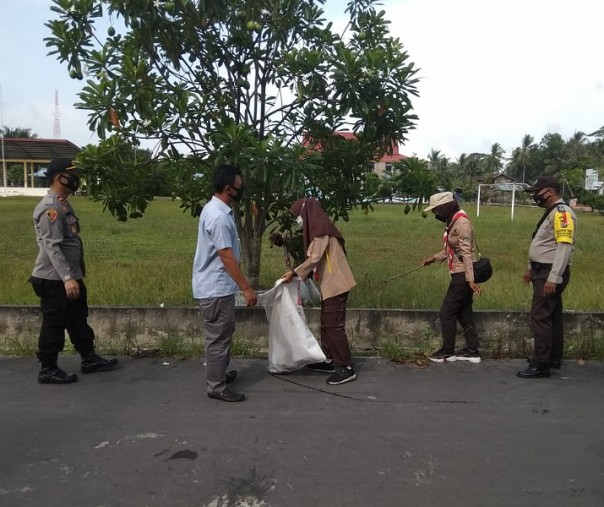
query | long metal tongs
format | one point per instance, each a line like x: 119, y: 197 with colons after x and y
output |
x: 403, y: 274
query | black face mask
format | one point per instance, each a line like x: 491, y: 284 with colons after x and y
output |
x: 444, y: 212
x: 238, y: 193
x: 71, y: 181
x: 540, y: 200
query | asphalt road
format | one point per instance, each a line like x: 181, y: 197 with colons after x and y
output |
x: 453, y: 434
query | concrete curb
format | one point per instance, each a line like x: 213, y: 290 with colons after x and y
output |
x: 127, y: 329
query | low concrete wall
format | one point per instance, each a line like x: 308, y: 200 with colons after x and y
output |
x: 127, y: 330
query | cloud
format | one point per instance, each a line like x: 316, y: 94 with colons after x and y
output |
x: 491, y: 71
x: 494, y: 71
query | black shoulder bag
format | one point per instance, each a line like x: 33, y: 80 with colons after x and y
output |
x: 483, y: 270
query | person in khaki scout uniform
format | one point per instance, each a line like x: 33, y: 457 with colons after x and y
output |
x: 457, y: 306
x: 326, y: 255
x: 549, y: 271
x: 57, y: 279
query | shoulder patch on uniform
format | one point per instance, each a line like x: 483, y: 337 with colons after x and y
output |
x: 51, y: 214
x: 564, y: 227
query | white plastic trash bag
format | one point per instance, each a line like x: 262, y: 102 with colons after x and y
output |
x: 291, y: 345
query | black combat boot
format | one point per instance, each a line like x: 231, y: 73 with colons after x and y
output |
x: 54, y: 375
x: 94, y: 363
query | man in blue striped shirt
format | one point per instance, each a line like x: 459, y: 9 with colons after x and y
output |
x: 216, y: 277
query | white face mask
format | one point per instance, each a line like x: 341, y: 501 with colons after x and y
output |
x: 299, y: 221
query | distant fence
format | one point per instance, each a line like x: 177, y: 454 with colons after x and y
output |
x: 23, y: 192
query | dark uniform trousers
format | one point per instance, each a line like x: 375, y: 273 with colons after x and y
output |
x: 546, y: 317
x: 334, y: 341
x: 60, y: 314
x: 457, y: 306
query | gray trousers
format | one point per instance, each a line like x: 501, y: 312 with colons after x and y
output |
x: 219, y: 317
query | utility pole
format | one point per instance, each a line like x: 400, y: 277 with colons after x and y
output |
x: 4, y: 175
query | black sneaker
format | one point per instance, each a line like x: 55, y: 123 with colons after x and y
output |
x: 54, y: 375
x: 227, y: 395
x: 442, y: 355
x: 230, y: 376
x: 323, y: 367
x: 466, y: 354
x: 342, y: 375
x: 97, y: 363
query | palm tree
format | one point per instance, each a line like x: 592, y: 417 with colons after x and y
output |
x: 414, y: 179
x: 552, y: 151
x: 576, y: 149
x: 470, y: 168
x: 18, y: 132
x: 443, y: 170
x: 494, y: 162
x: 435, y: 160
x: 597, y: 133
x: 524, y: 154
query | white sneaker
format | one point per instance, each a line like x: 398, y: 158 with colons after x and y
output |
x: 473, y: 356
x: 442, y: 355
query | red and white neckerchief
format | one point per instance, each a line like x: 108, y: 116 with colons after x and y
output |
x: 448, y: 248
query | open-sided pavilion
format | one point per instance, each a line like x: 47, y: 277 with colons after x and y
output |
x: 33, y: 155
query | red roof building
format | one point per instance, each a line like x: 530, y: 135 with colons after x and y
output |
x: 383, y: 166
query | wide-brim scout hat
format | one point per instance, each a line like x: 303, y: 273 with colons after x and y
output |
x: 545, y: 182
x: 440, y: 199
x: 61, y: 165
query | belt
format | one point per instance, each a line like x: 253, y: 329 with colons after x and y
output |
x: 540, y: 265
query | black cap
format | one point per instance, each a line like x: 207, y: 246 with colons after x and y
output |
x: 61, y: 165
x: 545, y: 182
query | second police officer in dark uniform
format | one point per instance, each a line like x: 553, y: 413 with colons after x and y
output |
x: 57, y: 279
x: 549, y: 271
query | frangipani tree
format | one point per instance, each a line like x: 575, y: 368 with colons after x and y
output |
x: 263, y: 84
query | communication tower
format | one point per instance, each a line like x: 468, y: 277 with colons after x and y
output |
x: 56, y: 126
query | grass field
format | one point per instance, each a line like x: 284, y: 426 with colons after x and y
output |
x: 148, y: 261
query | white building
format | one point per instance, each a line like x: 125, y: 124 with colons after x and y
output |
x: 592, y: 181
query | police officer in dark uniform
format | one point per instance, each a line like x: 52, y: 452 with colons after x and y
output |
x: 549, y: 271
x: 57, y: 279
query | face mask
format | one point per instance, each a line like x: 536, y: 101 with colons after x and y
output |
x: 299, y: 221
x: 72, y: 182
x: 445, y: 211
x: 539, y: 200
x: 238, y: 193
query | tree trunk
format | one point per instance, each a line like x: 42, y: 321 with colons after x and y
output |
x: 251, y: 247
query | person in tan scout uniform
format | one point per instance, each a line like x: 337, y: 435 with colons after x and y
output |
x: 549, y: 272
x: 458, y: 251
x: 326, y: 255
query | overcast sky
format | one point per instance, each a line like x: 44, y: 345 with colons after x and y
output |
x: 491, y: 71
